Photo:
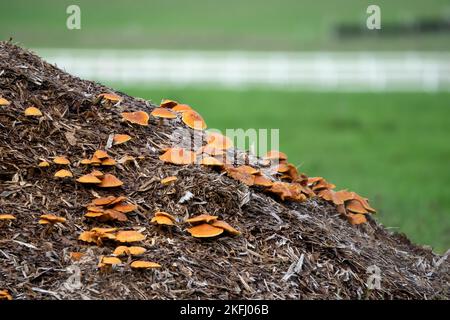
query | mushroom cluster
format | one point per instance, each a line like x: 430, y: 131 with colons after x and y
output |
x: 109, y: 208
x: 207, y: 226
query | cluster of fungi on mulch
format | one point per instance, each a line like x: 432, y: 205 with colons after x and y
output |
x: 92, y: 179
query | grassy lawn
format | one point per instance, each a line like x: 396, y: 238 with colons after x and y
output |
x: 391, y: 147
x: 215, y: 24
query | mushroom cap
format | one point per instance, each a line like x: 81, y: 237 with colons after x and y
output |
x: 275, y: 155
x: 181, y: 108
x: 63, y: 174
x: 240, y: 175
x: 164, y: 214
x: 163, y: 113
x: 4, y: 102
x: 102, y: 201
x: 89, y: 178
x: 109, y: 261
x: 211, y: 161
x: 118, y: 200
x: 88, y: 236
x: 248, y: 169
x: 76, y: 256
x: 120, y: 138
x: 86, y: 161
x: 355, y: 206
x: 356, y: 218
x: 33, y: 112
x: 288, y: 191
x: 225, y: 226
x: 219, y: 141
x: 364, y: 202
x: 108, y: 162
x: 43, y: 164
x: 110, y: 181
x: 205, y: 230
x: 193, y: 120
x: 124, y: 250
x: 262, y: 181
x: 125, y: 207
x: 202, y: 218
x: 101, y: 154
x: 6, y: 216
x: 337, y: 197
x: 4, y: 295
x: 97, y: 173
x: 178, y: 156
x: 162, y: 220
x: 103, y: 230
x: 61, y: 160
x: 110, y: 97
x: 137, y: 117
x: 141, y: 264
x: 116, y: 215
x: 52, y: 218
x: 168, y: 180
x: 129, y: 236
x: 94, y: 214
x: 167, y: 103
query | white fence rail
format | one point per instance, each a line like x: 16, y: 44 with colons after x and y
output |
x: 349, y: 71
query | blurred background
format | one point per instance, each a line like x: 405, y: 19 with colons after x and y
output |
x: 367, y: 109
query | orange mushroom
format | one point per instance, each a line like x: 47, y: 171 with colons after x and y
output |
x: 63, y: 174
x: 108, y: 261
x: 193, y: 120
x: 240, y: 175
x: 262, y: 181
x: 4, y: 102
x: 205, y: 230
x: 125, y: 207
x: 108, y: 162
x: 141, y: 264
x: 110, y: 97
x: 102, y: 201
x: 4, y: 294
x: 61, y: 160
x: 137, y: 117
x: 225, y: 226
x: 33, y: 112
x: 163, y: 113
x: 129, y: 236
x: 178, y: 156
x: 6, y: 216
x: 166, y: 103
x: 355, y: 206
x: 181, y: 108
x: 202, y: 218
x: 356, y: 218
x: 162, y: 220
x: 110, y: 181
x: 51, y: 219
x: 211, y: 162
x: 43, y: 164
x: 89, y: 179
x: 132, y: 251
x: 219, y: 141
x: 120, y: 138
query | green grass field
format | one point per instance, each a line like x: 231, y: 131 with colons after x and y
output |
x: 391, y: 147
x: 216, y: 24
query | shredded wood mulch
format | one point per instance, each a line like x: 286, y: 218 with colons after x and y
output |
x: 286, y: 250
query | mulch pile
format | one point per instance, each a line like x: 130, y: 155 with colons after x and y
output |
x: 287, y: 250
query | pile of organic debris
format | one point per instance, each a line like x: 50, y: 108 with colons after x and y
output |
x: 105, y: 196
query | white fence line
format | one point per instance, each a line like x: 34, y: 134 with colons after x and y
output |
x: 349, y: 71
